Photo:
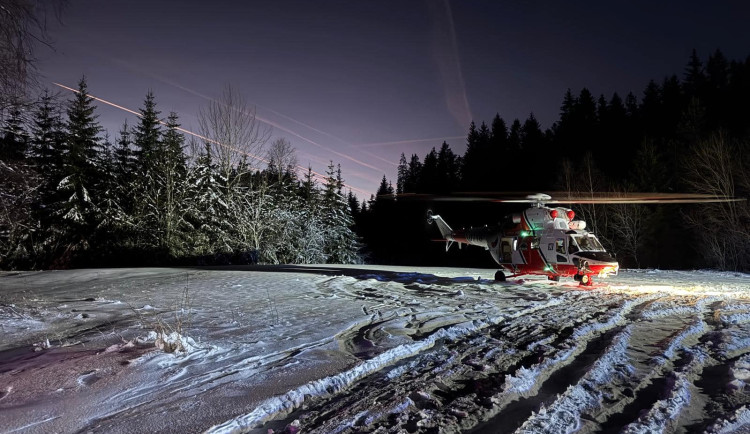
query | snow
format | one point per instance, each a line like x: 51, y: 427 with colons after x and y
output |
x: 366, y: 348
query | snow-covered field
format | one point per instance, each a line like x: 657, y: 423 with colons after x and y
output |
x: 372, y: 349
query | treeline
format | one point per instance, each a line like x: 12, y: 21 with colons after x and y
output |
x: 72, y: 197
x: 686, y: 134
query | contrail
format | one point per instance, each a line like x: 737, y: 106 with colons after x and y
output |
x: 380, y: 158
x: 300, y: 169
x: 287, y: 130
x: 404, y: 142
x: 445, y: 48
x: 281, y: 127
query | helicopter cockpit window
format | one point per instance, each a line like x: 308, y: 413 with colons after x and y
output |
x: 572, y: 246
x: 560, y: 246
x: 589, y: 243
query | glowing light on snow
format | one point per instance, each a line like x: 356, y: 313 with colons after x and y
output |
x: 697, y: 290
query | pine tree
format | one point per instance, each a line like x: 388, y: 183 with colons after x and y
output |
x: 514, y: 135
x: 650, y: 109
x: 430, y: 176
x: 309, y: 190
x: 147, y: 135
x: 500, y: 150
x: 695, y: 78
x: 341, y: 244
x: 170, y: 174
x: 13, y: 139
x: 48, y: 154
x: 414, y: 174
x: 124, y: 170
x: 385, y: 189
x: 477, y: 158
x: 402, y: 173
x: 82, y: 182
x: 47, y: 141
x: 208, y: 211
x: 353, y: 202
x: 448, y: 170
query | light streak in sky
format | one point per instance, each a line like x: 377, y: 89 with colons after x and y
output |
x: 281, y: 127
x: 405, y: 142
x: 177, y: 85
x: 445, y: 48
x: 300, y: 169
x: 377, y: 157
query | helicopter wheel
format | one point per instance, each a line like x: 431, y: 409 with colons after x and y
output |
x: 586, y: 280
x: 499, y: 276
x: 555, y: 278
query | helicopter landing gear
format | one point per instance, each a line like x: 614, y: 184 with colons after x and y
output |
x: 499, y: 276
x: 554, y: 278
x: 583, y: 279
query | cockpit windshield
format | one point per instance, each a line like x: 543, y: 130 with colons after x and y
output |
x: 588, y: 243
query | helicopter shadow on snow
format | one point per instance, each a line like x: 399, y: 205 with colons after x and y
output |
x: 412, y: 280
x: 403, y: 277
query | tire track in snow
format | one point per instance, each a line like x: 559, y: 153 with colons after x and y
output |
x: 522, y: 391
x: 564, y: 414
x: 664, y: 414
x: 650, y: 390
x: 282, y: 405
x: 427, y: 392
x: 432, y: 382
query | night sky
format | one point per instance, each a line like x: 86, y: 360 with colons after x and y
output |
x: 360, y: 82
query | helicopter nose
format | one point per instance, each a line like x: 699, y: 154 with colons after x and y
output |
x: 597, y: 257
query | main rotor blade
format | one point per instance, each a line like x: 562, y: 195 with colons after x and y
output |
x: 577, y: 198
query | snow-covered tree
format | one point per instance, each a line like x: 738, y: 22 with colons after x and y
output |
x: 14, y: 140
x: 81, y: 183
x: 47, y: 151
x: 208, y: 212
x: 341, y: 245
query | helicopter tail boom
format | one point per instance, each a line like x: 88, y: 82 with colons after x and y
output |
x: 445, y: 231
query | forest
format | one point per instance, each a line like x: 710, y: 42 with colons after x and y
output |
x: 687, y: 134
x: 72, y: 197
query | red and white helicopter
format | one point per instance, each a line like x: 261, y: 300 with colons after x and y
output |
x: 545, y: 240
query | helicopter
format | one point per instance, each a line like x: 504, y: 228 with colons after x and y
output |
x: 549, y: 240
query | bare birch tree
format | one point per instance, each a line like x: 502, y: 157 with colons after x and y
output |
x: 714, y: 168
x: 282, y: 159
x: 23, y: 25
x: 629, y: 228
x: 234, y: 135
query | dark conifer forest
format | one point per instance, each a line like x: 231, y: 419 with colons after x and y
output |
x: 684, y: 133
x: 72, y: 195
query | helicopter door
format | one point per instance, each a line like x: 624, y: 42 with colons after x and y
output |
x: 547, y: 247
x: 560, y: 250
x: 506, y: 250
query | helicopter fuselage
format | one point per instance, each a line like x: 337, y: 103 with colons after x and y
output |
x: 542, y: 241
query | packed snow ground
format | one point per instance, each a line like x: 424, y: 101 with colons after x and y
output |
x: 372, y: 349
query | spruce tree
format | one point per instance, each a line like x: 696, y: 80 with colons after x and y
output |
x: 82, y: 182
x: 414, y: 174
x: 695, y: 78
x: 147, y: 135
x: 170, y: 174
x: 447, y: 170
x: 48, y: 150
x: 430, y: 177
x: 125, y: 170
x: 402, y: 174
x: 14, y: 140
x: 341, y: 244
